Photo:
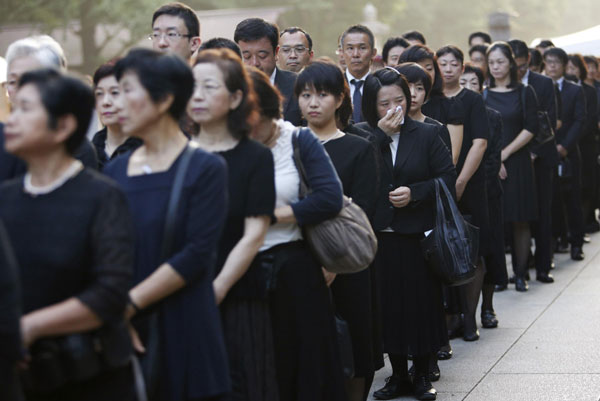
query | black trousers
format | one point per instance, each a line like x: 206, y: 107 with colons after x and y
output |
x: 542, y: 229
x: 567, y: 202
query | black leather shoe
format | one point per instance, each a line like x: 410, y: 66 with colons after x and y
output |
x: 471, y: 336
x: 488, y: 319
x: 444, y: 353
x: 577, y: 253
x: 521, y: 284
x: 587, y: 239
x: 395, y: 387
x: 423, y: 389
x: 561, y: 246
x: 434, y: 370
x: 500, y: 287
x: 545, y: 278
x: 512, y: 278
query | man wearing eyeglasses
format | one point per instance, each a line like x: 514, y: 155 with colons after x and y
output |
x: 295, y: 49
x: 175, y: 29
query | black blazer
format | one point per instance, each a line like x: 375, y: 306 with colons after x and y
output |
x: 572, y: 117
x: 544, y: 90
x: 421, y: 157
x: 285, y: 81
x: 10, y: 166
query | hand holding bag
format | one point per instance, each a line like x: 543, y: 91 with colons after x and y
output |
x: 345, y: 243
x: 452, y: 247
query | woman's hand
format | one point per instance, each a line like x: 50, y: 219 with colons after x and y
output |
x: 460, y: 189
x: 400, y: 197
x: 502, y: 174
x: 135, y: 339
x: 390, y: 123
x: 29, y: 330
x: 504, y: 155
x: 329, y: 276
x: 220, y: 291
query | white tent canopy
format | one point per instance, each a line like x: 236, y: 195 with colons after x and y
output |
x: 586, y: 42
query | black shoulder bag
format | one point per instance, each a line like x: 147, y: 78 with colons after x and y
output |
x: 451, y: 249
x: 151, y: 361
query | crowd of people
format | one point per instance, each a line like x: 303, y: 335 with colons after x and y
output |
x: 163, y: 256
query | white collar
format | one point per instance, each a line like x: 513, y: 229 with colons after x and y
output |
x: 560, y: 81
x: 350, y: 77
x: 272, y: 77
x: 525, y: 79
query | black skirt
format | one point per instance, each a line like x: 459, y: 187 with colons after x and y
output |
x: 495, y: 259
x: 352, y: 302
x: 520, y: 200
x: 411, y: 297
x: 249, y: 341
x: 307, y: 358
x: 474, y: 206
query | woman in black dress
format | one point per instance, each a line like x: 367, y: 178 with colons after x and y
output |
x: 411, y: 296
x: 470, y: 183
x: 449, y: 112
x: 74, y: 280
x: 321, y: 90
x: 110, y: 141
x: 224, y: 106
x: 588, y: 144
x: 519, y: 122
x: 172, y: 301
x: 307, y: 359
x: 495, y: 258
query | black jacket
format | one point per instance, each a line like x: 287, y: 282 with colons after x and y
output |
x: 285, y: 81
x: 572, y: 117
x: 544, y: 90
x: 421, y: 157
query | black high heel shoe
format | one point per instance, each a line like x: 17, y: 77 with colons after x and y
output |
x: 488, y: 319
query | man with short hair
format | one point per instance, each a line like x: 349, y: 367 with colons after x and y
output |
x: 479, y: 38
x: 295, y: 49
x: 175, y: 29
x: 477, y: 57
x: 259, y: 42
x: 546, y: 160
x: 392, y: 50
x: 567, y: 137
x: 358, y: 47
x: 414, y: 38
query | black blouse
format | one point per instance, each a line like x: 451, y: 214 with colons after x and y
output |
x: 354, y: 160
x: 99, y: 142
x: 251, y: 187
x: 492, y: 159
x: 445, y: 110
x: 74, y: 241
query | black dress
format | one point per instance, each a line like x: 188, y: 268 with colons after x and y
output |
x: 354, y: 161
x: 445, y: 110
x: 99, y: 142
x: 245, y: 310
x: 520, y: 202
x: 474, y: 199
x: 83, y: 248
x: 588, y: 145
x: 442, y: 131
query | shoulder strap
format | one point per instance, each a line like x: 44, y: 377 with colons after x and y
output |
x: 174, y: 198
x: 304, y: 190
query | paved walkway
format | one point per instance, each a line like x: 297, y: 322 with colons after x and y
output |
x: 546, y: 347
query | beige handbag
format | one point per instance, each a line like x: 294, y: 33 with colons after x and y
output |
x: 345, y: 243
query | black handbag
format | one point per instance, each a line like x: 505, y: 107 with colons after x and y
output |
x: 452, y: 247
x: 151, y: 360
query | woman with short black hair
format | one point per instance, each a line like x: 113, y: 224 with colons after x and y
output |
x: 449, y: 112
x: 175, y: 284
x: 411, y: 296
x: 75, y: 279
x: 110, y: 140
x: 321, y: 90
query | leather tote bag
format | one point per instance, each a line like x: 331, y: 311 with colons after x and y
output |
x: 345, y: 243
x: 452, y: 247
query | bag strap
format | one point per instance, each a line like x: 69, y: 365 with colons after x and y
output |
x: 304, y: 189
x: 524, y: 102
x: 485, y: 94
x: 174, y: 197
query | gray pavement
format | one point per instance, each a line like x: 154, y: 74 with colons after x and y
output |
x: 546, y: 347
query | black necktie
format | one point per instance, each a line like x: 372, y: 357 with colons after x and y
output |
x: 357, y: 101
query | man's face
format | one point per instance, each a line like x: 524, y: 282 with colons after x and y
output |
x: 170, y: 35
x: 293, y: 54
x: 393, y: 58
x: 592, y: 71
x: 16, y: 68
x: 259, y: 53
x: 477, y: 40
x: 554, y: 67
x: 358, y: 53
x: 478, y: 60
x: 522, y: 66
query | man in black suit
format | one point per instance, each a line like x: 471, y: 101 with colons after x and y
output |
x: 545, y: 160
x: 567, y: 138
x: 358, y: 49
x: 259, y: 42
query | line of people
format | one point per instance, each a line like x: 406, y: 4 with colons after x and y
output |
x: 186, y: 247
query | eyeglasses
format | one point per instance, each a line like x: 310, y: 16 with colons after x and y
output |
x: 299, y: 50
x: 170, y: 36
